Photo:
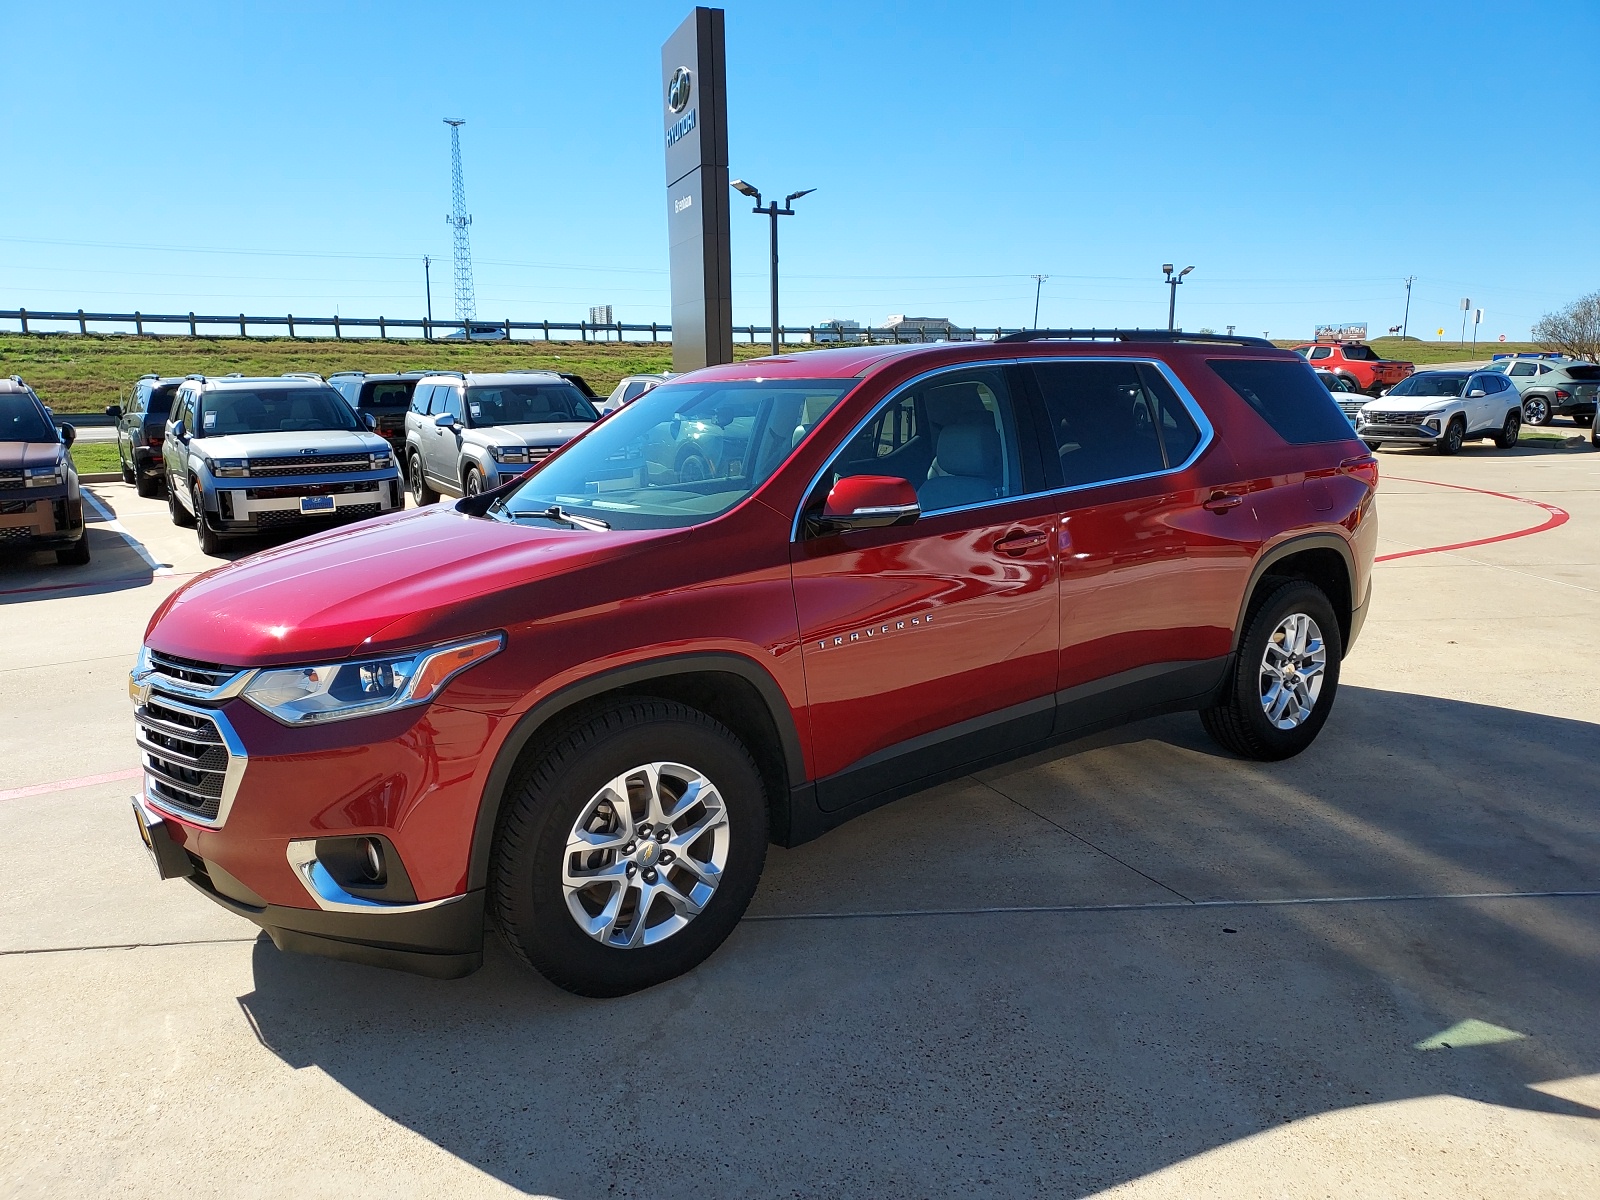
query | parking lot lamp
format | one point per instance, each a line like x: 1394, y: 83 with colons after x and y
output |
x: 774, y: 212
x: 1173, y: 281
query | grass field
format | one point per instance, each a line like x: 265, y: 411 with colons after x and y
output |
x: 82, y: 374
x: 96, y: 458
x: 77, y: 374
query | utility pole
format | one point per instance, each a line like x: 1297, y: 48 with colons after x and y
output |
x: 1038, y: 286
x: 466, y: 305
x: 774, y: 212
x: 427, y: 287
x: 1405, y: 323
x: 1173, y: 281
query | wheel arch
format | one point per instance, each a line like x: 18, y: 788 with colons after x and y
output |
x: 734, y: 690
x: 1324, y: 559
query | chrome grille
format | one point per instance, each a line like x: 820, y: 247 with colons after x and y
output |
x: 302, y: 465
x: 187, y: 762
x: 189, y: 670
x: 1396, y: 418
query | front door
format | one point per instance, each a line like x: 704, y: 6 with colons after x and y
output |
x: 444, y: 445
x: 1156, y: 539
x: 930, y: 645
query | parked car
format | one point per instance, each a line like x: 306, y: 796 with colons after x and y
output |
x: 469, y: 433
x: 1345, y: 394
x: 40, y: 505
x: 1567, y: 390
x: 141, y: 426
x: 1443, y: 409
x: 582, y: 384
x: 248, y: 456
x: 386, y: 398
x: 629, y: 388
x: 586, y: 703
x: 1524, y: 370
x: 1357, y: 362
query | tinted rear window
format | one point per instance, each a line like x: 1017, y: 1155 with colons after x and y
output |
x: 1288, y: 397
x: 388, y: 394
x: 1584, y: 373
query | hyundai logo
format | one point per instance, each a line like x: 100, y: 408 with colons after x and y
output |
x: 678, y: 90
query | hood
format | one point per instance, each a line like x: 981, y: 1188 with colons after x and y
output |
x: 1389, y: 402
x: 389, y: 583
x: 546, y: 433
x: 28, y: 454
x: 273, y: 445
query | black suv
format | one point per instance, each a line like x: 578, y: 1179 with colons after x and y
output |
x: 385, y: 397
x: 141, y: 426
x: 40, y: 505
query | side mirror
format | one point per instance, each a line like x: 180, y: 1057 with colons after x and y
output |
x: 445, y: 420
x: 114, y: 411
x: 370, y: 421
x: 869, y: 502
x: 69, y: 434
x: 1475, y: 393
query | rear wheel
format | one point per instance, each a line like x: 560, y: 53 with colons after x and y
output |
x: 147, y: 485
x: 1536, y: 410
x: 420, y: 491
x: 1285, y: 676
x: 1454, y: 434
x: 1510, y: 431
x: 629, y: 848
x: 181, y: 517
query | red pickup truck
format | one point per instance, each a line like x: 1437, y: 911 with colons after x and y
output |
x: 1357, y: 362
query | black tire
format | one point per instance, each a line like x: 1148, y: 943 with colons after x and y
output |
x: 421, y: 492
x: 1535, y: 410
x: 1583, y: 420
x: 1373, y: 446
x: 544, y: 801
x: 1506, y: 439
x: 210, y: 543
x: 148, y: 486
x: 1353, y: 384
x: 1239, y: 724
x: 129, y: 474
x: 75, y: 555
x: 1454, y: 434
x: 473, y: 484
x: 181, y: 517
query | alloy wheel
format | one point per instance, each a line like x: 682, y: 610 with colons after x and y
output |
x: 1536, y: 410
x: 645, y: 855
x: 1292, y: 670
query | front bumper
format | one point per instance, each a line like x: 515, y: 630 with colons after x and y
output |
x: 31, y: 521
x: 243, y: 506
x: 1417, y: 435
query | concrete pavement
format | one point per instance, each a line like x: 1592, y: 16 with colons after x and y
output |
x: 1133, y: 965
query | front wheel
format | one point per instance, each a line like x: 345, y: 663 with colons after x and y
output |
x: 1510, y: 431
x: 210, y: 543
x: 628, y: 847
x: 181, y: 517
x: 1285, y: 676
x: 1536, y: 410
x: 421, y: 492
x: 474, y: 482
x: 1455, y: 433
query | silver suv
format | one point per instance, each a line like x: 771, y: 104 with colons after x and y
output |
x: 469, y: 433
x: 248, y: 456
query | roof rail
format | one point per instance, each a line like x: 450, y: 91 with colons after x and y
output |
x: 336, y: 374
x: 1134, y: 335
x: 303, y: 375
x: 150, y: 375
x: 457, y: 374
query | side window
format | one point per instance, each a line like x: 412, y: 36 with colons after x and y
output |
x: 447, y: 399
x: 953, y: 437
x: 1523, y: 369
x: 191, y: 408
x: 178, y: 401
x: 139, y: 401
x: 634, y: 390
x: 420, y: 398
x: 1287, y: 397
x: 1319, y: 352
x: 1112, y: 420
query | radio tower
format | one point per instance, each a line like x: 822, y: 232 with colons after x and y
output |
x: 466, y: 306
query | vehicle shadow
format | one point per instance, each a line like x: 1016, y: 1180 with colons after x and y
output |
x: 1573, y: 442
x: 114, y: 566
x: 1038, y: 1052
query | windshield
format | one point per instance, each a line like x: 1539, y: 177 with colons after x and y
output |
x: 526, y: 404
x: 681, y: 453
x: 1430, y: 383
x: 275, y: 410
x: 22, y: 421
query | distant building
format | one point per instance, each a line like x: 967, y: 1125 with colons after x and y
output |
x: 839, y: 330
x: 929, y: 329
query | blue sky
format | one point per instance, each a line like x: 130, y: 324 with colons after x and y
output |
x: 291, y: 158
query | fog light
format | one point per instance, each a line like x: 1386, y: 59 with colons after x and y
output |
x: 1432, y: 425
x: 374, y: 860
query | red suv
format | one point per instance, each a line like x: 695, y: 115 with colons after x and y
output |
x: 585, y: 702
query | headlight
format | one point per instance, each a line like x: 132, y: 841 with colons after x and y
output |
x: 235, y: 468
x: 509, y: 454
x: 339, y: 691
x: 1361, y: 417
x: 382, y: 462
x: 45, y: 476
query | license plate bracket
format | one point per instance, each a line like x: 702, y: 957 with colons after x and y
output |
x: 171, y: 861
x: 316, y: 504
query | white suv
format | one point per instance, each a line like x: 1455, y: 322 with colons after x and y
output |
x: 1442, y: 409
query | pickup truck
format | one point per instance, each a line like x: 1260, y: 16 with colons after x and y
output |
x: 1357, y: 362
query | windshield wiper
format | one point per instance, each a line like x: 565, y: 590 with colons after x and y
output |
x: 556, y: 513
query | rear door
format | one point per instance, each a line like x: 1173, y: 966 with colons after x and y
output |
x: 1156, y: 541
x: 930, y: 645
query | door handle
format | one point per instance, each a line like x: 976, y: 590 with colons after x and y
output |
x: 1221, y: 502
x: 1020, y: 543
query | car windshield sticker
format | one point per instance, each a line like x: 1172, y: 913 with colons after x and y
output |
x: 208, y: 420
x: 475, y: 410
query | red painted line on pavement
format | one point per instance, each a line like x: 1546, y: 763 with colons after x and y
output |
x: 63, y: 785
x: 1557, y: 518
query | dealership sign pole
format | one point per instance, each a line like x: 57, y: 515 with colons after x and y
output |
x: 693, y: 102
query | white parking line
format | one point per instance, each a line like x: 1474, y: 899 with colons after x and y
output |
x: 115, y: 526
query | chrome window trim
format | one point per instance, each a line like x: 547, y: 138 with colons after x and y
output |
x: 330, y: 897
x: 238, y: 760
x: 1185, y: 397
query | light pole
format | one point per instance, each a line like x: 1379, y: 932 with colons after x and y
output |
x: 1173, y: 281
x: 1038, y: 286
x: 773, y: 211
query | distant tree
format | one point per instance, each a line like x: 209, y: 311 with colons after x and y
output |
x: 1574, y: 331
x: 1207, y: 329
